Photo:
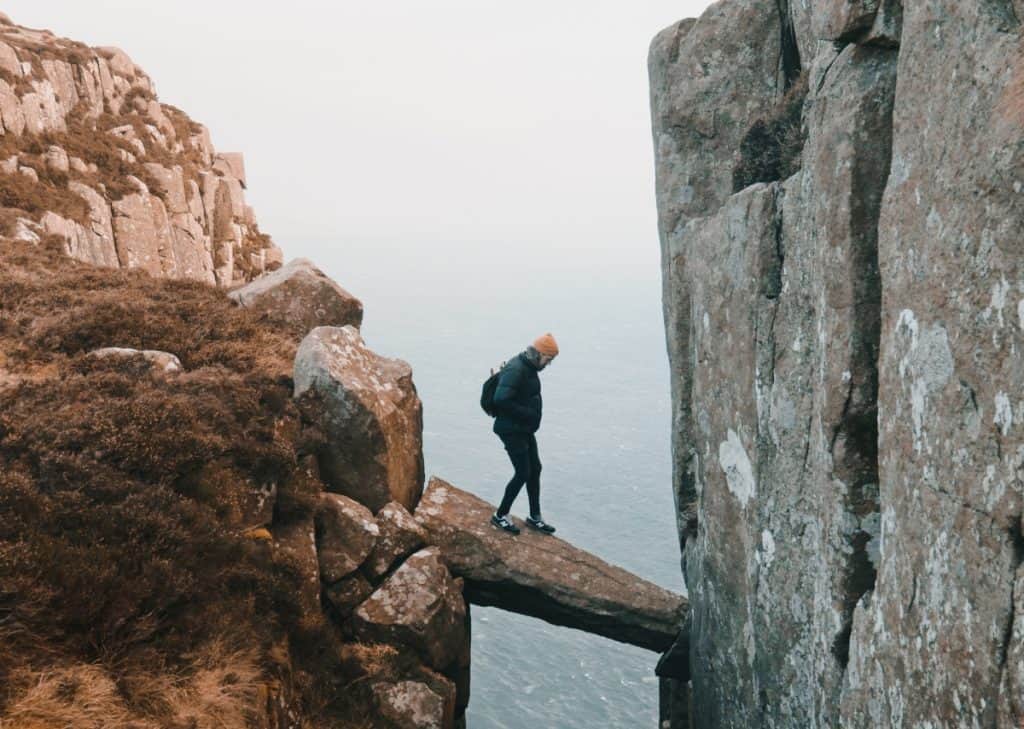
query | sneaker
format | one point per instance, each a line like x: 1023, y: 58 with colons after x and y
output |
x: 540, y: 525
x: 503, y: 522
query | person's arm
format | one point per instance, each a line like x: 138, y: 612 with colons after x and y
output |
x: 505, y: 396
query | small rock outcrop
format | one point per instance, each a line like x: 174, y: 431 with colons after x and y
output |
x: 346, y: 534
x: 545, y: 577
x: 370, y: 413
x: 90, y: 156
x: 400, y: 536
x: 162, y: 362
x: 413, y: 705
x: 419, y: 606
x: 301, y: 295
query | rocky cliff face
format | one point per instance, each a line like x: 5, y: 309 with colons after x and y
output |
x: 845, y: 354
x: 89, y: 155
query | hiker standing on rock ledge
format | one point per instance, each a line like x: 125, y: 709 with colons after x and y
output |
x: 517, y: 405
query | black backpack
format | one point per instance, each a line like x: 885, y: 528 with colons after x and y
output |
x: 487, y: 392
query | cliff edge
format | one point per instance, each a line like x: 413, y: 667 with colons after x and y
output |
x: 840, y: 218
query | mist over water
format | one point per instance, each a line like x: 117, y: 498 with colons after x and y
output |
x: 604, y: 445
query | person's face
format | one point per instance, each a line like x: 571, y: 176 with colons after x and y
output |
x: 546, y: 359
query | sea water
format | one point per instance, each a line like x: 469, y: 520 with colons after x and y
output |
x: 604, y: 445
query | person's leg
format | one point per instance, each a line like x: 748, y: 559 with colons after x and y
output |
x: 533, y: 484
x: 519, y: 453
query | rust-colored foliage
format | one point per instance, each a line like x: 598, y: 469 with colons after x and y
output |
x: 119, y: 488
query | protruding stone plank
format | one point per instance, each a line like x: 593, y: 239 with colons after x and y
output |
x: 544, y: 576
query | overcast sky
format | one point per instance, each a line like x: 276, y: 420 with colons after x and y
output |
x: 439, y: 130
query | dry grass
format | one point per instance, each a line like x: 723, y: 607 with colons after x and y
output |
x: 34, y: 199
x: 217, y: 689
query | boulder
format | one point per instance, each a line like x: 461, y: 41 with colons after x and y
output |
x: 120, y: 63
x: 370, y: 413
x: 413, y: 705
x: 543, y: 576
x: 347, y: 594
x: 400, y: 536
x: 57, y: 159
x: 419, y: 606
x: 345, y: 534
x: 9, y: 60
x: 11, y: 113
x: 162, y: 362
x: 230, y: 164
x: 301, y: 295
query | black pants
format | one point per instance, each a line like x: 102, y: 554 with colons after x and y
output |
x: 522, y: 451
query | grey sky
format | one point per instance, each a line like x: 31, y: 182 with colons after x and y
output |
x: 436, y: 129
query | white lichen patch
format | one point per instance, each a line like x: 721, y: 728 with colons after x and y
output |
x: 735, y: 463
x: 767, y: 548
x: 1004, y: 413
x: 928, y: 363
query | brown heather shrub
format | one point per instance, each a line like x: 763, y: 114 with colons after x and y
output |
x: 217, y: 688
x: 20, y: 192
x: 771, y: 148
x: 120, y: 565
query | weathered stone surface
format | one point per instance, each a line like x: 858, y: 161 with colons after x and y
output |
x: 372, y: 416
x: 844, y: 364
x: 142, y: 234
x: 163, y: 362
x: 10, y: 110
x: 419, y: 606
x: 400, y: 536
x: 543, y: 576
x: 345, y: 534
x: 231, y: 164
x: 96, y: 245
x: 936, y: 643
x: 300, y: 294
x: 781, y: 291
x: 413, y: 705
x: 843, y: 19
x: 57, y: 159
x: 710, y: 79
x: 9, y: 60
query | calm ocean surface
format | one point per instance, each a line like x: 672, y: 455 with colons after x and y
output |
x: 604, y: 444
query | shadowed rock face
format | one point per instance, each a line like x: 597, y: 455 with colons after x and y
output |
x: 543, y: 576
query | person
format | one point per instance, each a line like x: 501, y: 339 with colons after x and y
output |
x: 517, y: 402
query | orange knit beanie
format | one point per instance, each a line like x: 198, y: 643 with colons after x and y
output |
x: 545, y: 344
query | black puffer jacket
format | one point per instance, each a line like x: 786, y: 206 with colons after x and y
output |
x: 517, y: 398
